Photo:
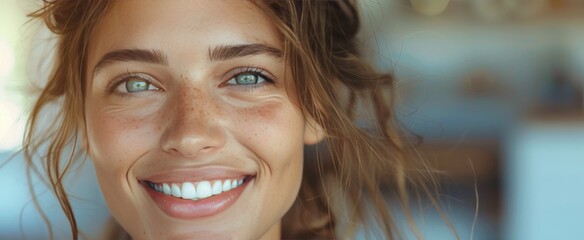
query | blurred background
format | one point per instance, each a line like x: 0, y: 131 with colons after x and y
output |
x: 494, y: 87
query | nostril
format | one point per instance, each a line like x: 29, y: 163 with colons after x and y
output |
x: 191, y: 146
x: 207, y: 148
x: 171, y: 150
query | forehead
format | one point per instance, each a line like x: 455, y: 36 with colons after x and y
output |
x: 180, y: 26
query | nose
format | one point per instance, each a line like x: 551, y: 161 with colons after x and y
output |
x: 193, y: 125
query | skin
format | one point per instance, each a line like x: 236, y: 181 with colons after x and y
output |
x: 192, y: 116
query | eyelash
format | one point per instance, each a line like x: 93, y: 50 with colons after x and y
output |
x: 251, y: 70
x: 111, y: 89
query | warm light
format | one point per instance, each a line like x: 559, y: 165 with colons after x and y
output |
x: 6, y: 59
x: 11, y: 129
x: 430, y: 7
x: 12, y: 123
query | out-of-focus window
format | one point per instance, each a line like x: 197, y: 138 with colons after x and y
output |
x: 13, y: 80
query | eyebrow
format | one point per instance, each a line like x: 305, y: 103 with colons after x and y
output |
x: 218, y: 53
x: 127, y: 55
x: 227, y: 52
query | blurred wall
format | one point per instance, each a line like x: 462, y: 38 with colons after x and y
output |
x: 495, y: 90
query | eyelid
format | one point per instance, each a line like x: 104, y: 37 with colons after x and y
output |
x: 116, y: 82
x: 269, y: 77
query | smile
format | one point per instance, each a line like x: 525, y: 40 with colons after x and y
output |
x: 195, y: 198
x: 196, y: 190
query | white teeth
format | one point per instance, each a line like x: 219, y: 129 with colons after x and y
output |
x: 175, y: 190
x: 166, y: 189
x: 217, y: 187
x: 188, y: 191
x: 196, y: 190
x: 226, y: 185
x: 204, y: 189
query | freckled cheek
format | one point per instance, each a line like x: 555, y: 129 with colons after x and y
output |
x: 273, y: 131
x: 275, y: 134
x: 117, y: 139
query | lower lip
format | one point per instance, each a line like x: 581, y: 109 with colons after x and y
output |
x: 189, y: 209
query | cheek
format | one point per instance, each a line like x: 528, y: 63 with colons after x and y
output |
x: 275, y: 133
x: 116, y: 140
x: 272, y: 130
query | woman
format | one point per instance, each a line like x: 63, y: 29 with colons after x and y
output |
x: 196, y: 115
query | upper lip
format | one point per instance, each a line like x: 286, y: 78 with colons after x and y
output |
x: 195, y: 174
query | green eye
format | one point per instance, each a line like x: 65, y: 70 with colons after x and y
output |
x: 248, y: 79
x: 138, y: 85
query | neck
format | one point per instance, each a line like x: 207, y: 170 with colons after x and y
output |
x: 274, y: 233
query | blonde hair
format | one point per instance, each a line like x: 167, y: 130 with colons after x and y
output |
x: 351, y: 166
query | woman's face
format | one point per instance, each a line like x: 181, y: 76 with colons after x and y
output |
x: 189, y: 125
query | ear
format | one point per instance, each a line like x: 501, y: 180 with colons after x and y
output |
x: 313, y: 132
